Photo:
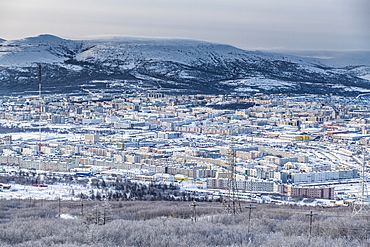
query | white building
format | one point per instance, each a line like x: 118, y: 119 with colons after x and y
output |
x: 91, y: 138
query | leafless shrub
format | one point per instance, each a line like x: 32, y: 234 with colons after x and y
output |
x: 167, y: 223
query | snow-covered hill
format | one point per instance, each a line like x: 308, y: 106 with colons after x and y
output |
x: 193, y: 66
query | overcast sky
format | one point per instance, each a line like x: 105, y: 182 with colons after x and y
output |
x: 248, y: 24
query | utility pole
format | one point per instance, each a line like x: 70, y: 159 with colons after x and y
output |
x: 59, y: 206
x: 250, y: 207
x: 310, y: 232
x: 104, y: 215
x: 106, y: 211
x: 82, y: 206
x: 194, y: 211
x: 362, y: 207
x: 96, y: 215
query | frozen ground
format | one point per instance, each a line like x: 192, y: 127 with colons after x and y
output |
x: 51, y: 192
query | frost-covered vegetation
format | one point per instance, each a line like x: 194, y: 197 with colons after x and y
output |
x: 94, y: 188
x: 159, y: 223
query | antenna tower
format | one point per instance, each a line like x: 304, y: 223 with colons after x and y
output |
x: 40, y: 115
x: 363, y: 205
x: 231, y: 202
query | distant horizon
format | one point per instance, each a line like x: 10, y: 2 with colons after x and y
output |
x: 112, y: 37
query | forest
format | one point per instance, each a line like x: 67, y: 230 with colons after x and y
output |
x: 87, y: 222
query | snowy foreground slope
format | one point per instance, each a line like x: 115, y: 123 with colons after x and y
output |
x: 191, y: 66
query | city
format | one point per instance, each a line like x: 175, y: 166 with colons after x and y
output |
x: 280, y: 148
x: 185, y: 123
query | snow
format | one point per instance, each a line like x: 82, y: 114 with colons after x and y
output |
x: 51, y: 192
x: 131, y: 51
x: 70, y: 67
x: 365, y: 77
x: 262, y: 83
x: 67, y: 217
x: 177, y: 58
x: 334, y: 58
x: 43, y: 38
x: 45, y: 136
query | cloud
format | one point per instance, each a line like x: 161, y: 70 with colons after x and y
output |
x: 315, y: 24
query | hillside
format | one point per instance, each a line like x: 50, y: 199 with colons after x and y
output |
x: 157, y: 223
x: 186, y: 65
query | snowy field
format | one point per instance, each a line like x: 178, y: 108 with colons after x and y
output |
x: 45, y: 136
x: 51, y: 192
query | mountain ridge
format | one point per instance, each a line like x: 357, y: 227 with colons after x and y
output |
x: 188, y: 65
